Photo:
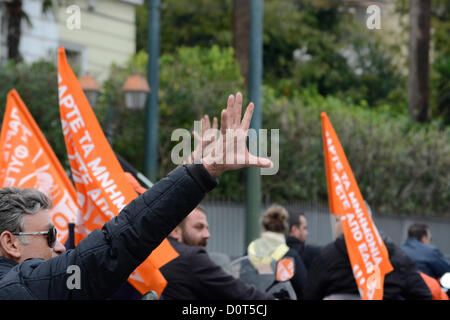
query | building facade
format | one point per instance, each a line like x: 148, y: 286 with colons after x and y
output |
x: 95, y: 33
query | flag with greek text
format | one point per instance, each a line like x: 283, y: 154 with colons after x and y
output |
x: 28, y: 161
x: 103, y: 189
x: 367, y: 252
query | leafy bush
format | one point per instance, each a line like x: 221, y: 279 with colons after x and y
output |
x: 193, y: 82
x: 37, y: 86
x: 400, y: 167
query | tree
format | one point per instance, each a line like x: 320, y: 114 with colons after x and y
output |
x: 419, y: 47
x: 14, y: 15
x: 241, y: 35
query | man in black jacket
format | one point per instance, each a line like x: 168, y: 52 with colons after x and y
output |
x: 105, y: 258
x: 331, y: 273
x: 193, y: 275
x: 296, y: 240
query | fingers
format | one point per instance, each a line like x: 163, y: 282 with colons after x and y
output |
x: 254, y: 161
x: 238, y: 109
x: 223, y: 122
x: 197, y: 136
x: 230, y: 112
x: 215, y: 125
x: 247, y: 117
x: 207, y: 123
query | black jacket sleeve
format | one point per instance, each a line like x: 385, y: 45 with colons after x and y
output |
x: 107, y: 257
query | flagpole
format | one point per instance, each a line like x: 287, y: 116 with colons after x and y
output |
x: 151, y: 132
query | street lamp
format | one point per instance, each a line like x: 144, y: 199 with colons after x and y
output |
x: 136, y: 90
x: 90, y: 87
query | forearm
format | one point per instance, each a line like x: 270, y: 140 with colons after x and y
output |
x: 145, y: 222
x: 108, y: 257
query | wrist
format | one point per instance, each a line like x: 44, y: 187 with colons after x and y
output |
x: 213, y: 169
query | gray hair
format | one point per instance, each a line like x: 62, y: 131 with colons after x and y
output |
x: 15, y: 203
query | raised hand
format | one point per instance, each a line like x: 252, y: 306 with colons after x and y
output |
x: 230, y: 151
x: 203, y: 141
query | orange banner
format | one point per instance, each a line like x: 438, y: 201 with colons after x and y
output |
x: 367, y: 252
x: 28, y: 161
x: 103, y: 189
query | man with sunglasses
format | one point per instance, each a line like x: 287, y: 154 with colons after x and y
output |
x: 26, y: 229
x: 107, y: 257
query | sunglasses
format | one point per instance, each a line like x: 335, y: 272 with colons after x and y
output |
x: 51, y: 235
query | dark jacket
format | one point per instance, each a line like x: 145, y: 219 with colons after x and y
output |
x: 307, y: 252
x: 194, y: 276
x: 300, y: 274
x: 428, y: 258
x: 107, y: 257
x: 331, y: 273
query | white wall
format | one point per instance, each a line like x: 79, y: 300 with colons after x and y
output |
x: 40, y: 41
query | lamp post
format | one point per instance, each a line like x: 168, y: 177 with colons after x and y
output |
x: 151, y: 132
x: 253, y: 177
x: 90, y: 87
x: 136, y: 90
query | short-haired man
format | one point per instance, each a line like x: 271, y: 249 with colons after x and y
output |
x: 107, y: 257
x: 22, y: 210
x: 296, y: 239
x: 193, y: 275
x: 428, y: 258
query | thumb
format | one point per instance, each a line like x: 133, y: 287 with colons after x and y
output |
x: 254, y: 161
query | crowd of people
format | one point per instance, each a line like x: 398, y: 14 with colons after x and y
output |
x: 33, y: 263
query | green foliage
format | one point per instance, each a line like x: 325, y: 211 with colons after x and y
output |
x: 38, y: 88
x: 440, y: 71
x: 440, y: 82
x: 322, y: 28
x: 193, y: 82
x: 400, y: 167
x: 188, y: 23
x: 440, y: 65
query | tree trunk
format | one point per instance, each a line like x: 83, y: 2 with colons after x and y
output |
x: 241, y: 34
x: 419, y: 43
x: 14, y: 15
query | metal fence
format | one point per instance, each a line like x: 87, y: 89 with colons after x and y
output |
x: 227, y: 226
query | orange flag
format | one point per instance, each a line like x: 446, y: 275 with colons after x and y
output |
x: 103, y: 189
x: 368, y: 254
x: 28, y: 161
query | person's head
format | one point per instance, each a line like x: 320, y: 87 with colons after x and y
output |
x: 298, y: 227
x: 24, y: 211
x: 194, y: 229
x: 421, y: 232
x: 338, y: 226
x: 275, y: 219
x: 339, y: 229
